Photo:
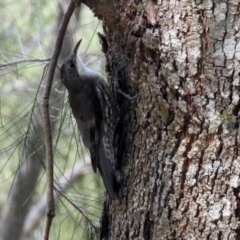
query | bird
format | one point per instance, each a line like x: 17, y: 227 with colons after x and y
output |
x: 92, y: 105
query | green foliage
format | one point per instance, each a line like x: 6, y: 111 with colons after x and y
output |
x: 26, y: 33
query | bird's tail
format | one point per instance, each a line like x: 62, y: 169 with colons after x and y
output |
x: 106, y: 169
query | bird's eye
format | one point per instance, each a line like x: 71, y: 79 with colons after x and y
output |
x: 71, y: 65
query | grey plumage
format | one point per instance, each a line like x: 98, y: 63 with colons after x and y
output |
x: 91, y: 102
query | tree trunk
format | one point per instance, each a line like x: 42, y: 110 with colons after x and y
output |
x: 178, y: 145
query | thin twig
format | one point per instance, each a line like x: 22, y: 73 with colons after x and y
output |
x: 32, y: 114
x: 96, y: 228
x: 69, y: 176
x: 24, y: 61
x: 50, y: 212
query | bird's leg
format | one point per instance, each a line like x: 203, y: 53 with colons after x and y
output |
x: 127, y: 96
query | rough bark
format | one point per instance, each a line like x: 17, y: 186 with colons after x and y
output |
x: 178, y: 148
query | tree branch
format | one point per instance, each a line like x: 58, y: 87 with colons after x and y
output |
x: 50, y: 212
x: 24, y: 61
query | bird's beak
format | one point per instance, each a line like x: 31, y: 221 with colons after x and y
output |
x: 76, y: 47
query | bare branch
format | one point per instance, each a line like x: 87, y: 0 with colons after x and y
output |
x: 24, y: 61
x: 50, y: 213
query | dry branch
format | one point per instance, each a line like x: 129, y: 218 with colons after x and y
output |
x: 24, y: 61
x: 50, y: 213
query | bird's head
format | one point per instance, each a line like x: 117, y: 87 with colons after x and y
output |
x: 74, y: 72
x: 71, y: 68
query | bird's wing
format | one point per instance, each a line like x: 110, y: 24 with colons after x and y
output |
x: 105, y: 149
x: 89, y: 136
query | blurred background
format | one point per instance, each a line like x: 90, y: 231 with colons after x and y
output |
x: 28, y: 33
